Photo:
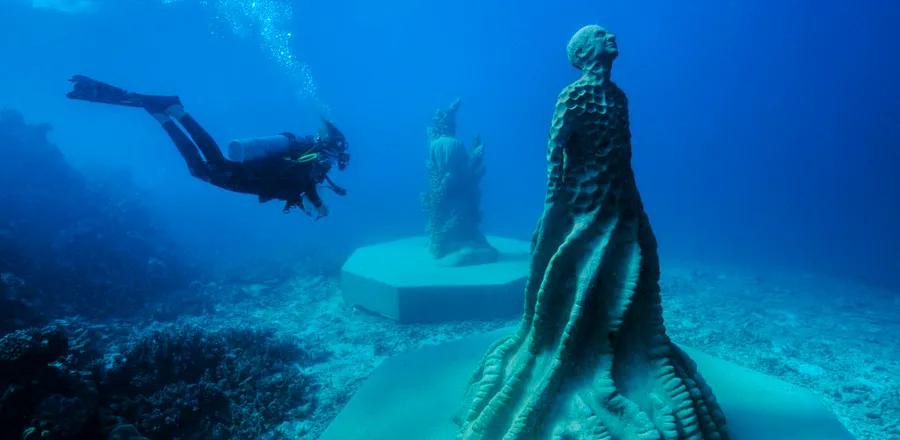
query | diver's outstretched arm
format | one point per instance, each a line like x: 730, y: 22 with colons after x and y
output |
x: 313, y: 195
x: 334, y: 187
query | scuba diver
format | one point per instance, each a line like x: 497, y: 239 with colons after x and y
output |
x: 283, y: 167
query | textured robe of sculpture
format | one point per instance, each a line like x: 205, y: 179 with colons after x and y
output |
x: 591, y: 359
x: 452, y: 203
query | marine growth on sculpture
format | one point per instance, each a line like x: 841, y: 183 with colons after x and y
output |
x: 591, y: 359
x: 452, y: 202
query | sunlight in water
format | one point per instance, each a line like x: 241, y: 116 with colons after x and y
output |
x: 270, y: 21
x: 67, y: 6
x: 267, y: 20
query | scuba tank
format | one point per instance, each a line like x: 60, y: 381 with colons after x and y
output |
x: 241, y: 150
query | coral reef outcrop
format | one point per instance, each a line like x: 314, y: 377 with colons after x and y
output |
x: 70, y: 244
x: 177, y: 381
x: 16, y: 311
x: 591, y: 358
x: 187, y: 382
x: 452, y: 202
x: 41, y: 396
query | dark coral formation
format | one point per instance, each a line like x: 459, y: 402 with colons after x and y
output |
x: 16, y: 311
x: 69, y: 244
x: 591, y: 358
x: 41, y: 396
x: 453, y: 201
x: 177, y: 382
x: 190, y: 383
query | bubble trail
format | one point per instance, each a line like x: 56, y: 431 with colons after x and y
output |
x: 270, y: 21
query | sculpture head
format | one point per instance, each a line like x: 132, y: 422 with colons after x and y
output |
x: 593, y: 49
x: 444, y: 121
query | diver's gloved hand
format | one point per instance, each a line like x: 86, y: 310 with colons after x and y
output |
x: 318, y: 211
x: 321, y: 211
x: 334, y: 187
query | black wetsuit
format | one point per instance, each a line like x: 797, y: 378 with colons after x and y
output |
x: 276, y: 176
x: 284, y: 175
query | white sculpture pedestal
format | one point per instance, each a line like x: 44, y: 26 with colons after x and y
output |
x: 402, y: 281
x: 416, y: 395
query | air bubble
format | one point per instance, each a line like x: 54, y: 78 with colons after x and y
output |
x: 269, y: 20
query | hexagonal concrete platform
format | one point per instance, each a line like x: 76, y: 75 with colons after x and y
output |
x: 401, y: 280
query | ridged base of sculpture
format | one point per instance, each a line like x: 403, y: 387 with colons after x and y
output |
x: 416, y: 396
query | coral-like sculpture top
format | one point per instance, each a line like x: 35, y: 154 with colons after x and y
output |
x: 591, y: 359
x: 443, y: 123
x: 452, y: 203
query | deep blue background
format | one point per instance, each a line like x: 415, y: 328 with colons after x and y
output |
x: 765, y: 132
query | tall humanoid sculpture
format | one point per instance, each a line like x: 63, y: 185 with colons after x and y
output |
x: 453, y: 200
x: 591, y: 359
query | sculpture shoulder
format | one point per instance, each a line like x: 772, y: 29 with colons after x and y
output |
x: 581, y: 96
x: 568, y: 104
x: 583, y: 93
x: 574, y: 94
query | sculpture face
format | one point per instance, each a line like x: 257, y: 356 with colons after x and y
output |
x: 610, y: 47
x: 593, y: 47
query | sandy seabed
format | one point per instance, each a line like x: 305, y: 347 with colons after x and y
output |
x: 835, y: 338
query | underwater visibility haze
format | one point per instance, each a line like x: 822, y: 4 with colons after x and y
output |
x: 152, y: 287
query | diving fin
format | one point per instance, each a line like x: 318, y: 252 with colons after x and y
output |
x: 89, y: 89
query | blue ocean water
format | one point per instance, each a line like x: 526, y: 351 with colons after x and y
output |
x: 766, y: 138
x: 757, y: 127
